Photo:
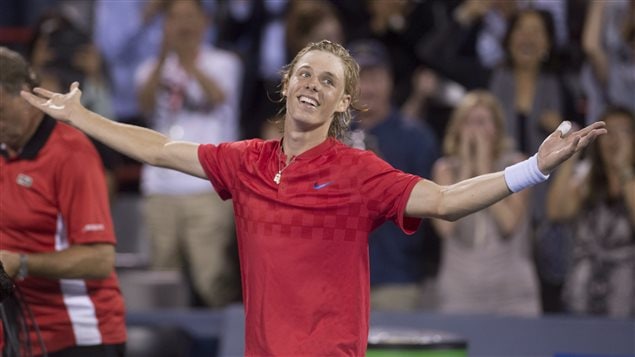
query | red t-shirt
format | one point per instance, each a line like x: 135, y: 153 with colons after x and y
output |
x: 303, y: 244
x: 52, y: 196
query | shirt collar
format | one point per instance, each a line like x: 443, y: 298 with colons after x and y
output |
x: 37, y: 141
x: 314, y: 151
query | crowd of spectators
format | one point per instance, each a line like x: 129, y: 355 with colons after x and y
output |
x: 473, y: 85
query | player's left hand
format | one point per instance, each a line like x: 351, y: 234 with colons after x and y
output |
x: 562, y: 144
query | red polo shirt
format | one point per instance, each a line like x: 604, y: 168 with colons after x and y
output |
x: 303, y: 244
x: 52, y: 196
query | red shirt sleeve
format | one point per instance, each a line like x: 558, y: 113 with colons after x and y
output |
x: 220, y: 163
x: 83, y: 198
x: 386, y: 191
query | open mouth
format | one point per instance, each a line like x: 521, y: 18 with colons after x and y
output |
x: 308, y: 101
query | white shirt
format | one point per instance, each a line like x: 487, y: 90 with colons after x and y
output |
x: 183, y: 112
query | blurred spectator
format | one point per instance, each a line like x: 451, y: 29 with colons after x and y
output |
x: 354, y: 16
x: 468, y: 43
x: 127, y: 33
x: 453, y: 49
x: 609, y: 42
x: 598, y: 197
x: 399, y: 25
x: 526, y: 83
x: 255, y: 29
x: 489, y: 18
x: 570, y: 59
x: 396, y: 260
x: 190, y: 91
x: 63, y: 50
x: 529, y: 93
x: 425, y: 83
x: 311, y: 21
x: 486, y: 260
x: 62, y: 53
x: 558, y: 11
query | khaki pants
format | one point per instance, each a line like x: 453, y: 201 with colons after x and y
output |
x: 196, y: 230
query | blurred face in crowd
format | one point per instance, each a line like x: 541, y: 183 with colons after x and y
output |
x: 529, y: 40
x: 480, y: 120
x: 375, y: 93
x: 185, y: 23
x: 478, y: 116
x: 18, y: 120
x: 620, y: 140
x: 315, y: 90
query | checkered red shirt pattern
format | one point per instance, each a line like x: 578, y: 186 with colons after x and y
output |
x: 303, y: 244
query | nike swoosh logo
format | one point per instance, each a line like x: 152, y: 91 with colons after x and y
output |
x: 321, y: 185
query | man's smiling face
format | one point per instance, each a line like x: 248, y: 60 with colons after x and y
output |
x: 315, y: 90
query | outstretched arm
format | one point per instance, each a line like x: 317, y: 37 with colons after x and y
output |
x: 458, y: 200
x: 142, y: 144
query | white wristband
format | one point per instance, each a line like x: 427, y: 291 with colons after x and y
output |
x: 524, y: 174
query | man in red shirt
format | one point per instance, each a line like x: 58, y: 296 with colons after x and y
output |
x: 304, y: 205
x: 56, y: 234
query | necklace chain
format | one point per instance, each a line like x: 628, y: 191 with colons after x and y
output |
x: 278, y: 175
